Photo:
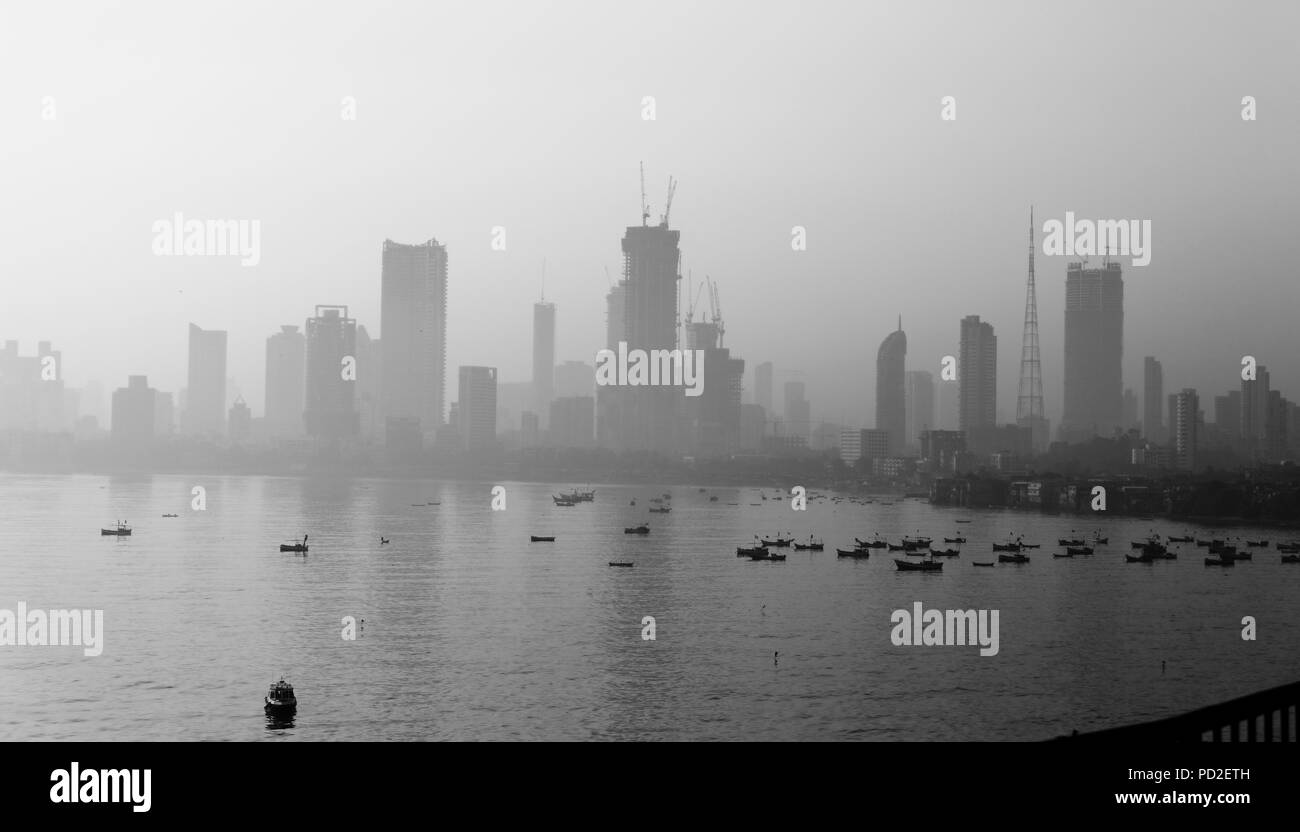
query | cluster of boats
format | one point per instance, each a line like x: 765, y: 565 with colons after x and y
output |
x: 573, y: 498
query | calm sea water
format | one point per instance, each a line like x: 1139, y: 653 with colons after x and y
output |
x: 472, y: 632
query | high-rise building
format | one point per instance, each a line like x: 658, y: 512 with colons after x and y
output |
x: 891, y: 391
x: 1130, y: 421
x: 1153, y: 393
x: 611, y: 401
x: 240, y: 421
x: 330, y: 409
x: 977, y: 374
x: 286, y: 373
x: 920, y: 405
x: 133, y: 412
x: 413, y: 326
x: 1031, y: 413
x: 797, y: 411
x: 940, y: 449
x: 574, y: 378
x: 763, y: 386
x: 1185, y: 429
x: 1094, y: 351
x: 205, y: 401
x: 543, y: 358
x: 1254, y: 407
x: 477, y: 407
x: 370, y: 371
x: 651, y: 259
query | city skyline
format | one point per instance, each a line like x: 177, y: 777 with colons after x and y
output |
x: 1219, y: 197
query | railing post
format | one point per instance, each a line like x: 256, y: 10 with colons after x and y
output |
x: 1236, y: 730
x: 1250, y: 727
x: 1268, y: 725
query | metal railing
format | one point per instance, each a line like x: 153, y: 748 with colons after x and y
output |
x: 1267, y: 716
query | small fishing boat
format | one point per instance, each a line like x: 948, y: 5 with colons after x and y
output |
x: 537, y: 538
x: 563, y: 503
x: 776, y: 556
x: 1241, y: 555
x: 1187, y: 539
x: 663, y: 510
x: 1260, y: 544
x: 743, y: 551
x: 713, y: 499
x: 579, y: 496
x: 642, y: 529
x: 1006, y: 547
x: 1101, y: 540
x: 1079, y: 550
x: 295, y: 547
x: 621, y: 563
x: 961, y: 521
x: 1069, y: 553
x: 812, y: 545
x: 894, y: 548
x: 1069, y: 542
x: 1024, y: 545
x: 853, y: 553
x: 918, y: 566
x: 954, y: 540
x: 1016, y: 558
x: 1220, y: 561
x: 1291, y: 558
x: 120, y: 530
x: 780, y: 542
x: 1223, y: 550
x: 870, y: 544
x: 171, y: 515
x: 1289, y: 547
x: 1200, y: 542
x: 945, y: 553
x: 280, y: 699
x: 983, y: 563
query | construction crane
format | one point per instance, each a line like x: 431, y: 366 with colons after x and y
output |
x: 645, y: 207
x: 716, y: 306
x: 668, y: 202
x: 690, y: 310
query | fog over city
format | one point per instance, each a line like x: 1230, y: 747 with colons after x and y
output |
x: 770, y: 116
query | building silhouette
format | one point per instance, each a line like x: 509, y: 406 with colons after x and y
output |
x: 286, y: 373
x: 1094, y: 351
x: 891, y: 392
x: 133, y: 412
x: 1153, y: 393
x: 713, y: 417
x: 476, y: 408
x: 797, y: 411
x: 920, y: 405
x: 205, y: 398
x: 413, y: 325
x: 574, y: 378
x: 330, y: 409
x: 977, y: 374
x: 763, y: 387
x: 1186, y: 429
x: 651, y: 259
x: 543, y: 359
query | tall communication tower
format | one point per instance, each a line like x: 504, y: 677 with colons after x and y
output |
x: 1029, y: 403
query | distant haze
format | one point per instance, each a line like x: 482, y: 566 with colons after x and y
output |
x: 470, y: 116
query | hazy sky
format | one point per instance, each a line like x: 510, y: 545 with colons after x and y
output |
x: 771, y: 115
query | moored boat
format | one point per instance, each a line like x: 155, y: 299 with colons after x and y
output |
x: 295, y: 547
x: 853, y: 553
x: 120, y: 530
x: 1016, y: 558
x: 918, y: 565
x: 1079, y: 550
x: 621, y: 563
x: 538, y: 538
x: 945, y: 553
x: 983, y: 563
x: 1220, y: 561
x: 1291, y: 558
x: 954, y: 540
x: 1006, y: 547
x: 641, y: 529
x: 745, y: 551
x: 280, y: 699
